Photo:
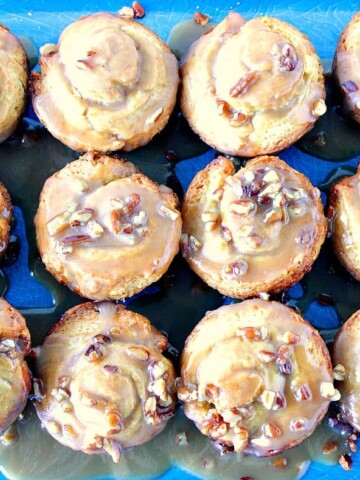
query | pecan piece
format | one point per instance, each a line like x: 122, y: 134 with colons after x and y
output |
x: 126, y: 12
x: 303, y: 393
x: 288, y: 59
x: 237, y: 268
x: 345, y: 462
x: 349, y: 86
x: 201, y: 18
x: 73, y: 239
x: 242, y: 84
x: 132, y: 201
x: 339, y: 372
x: 139, y: 11
x: 271, y: 431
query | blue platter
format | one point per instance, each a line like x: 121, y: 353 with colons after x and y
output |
x: 43, y: 20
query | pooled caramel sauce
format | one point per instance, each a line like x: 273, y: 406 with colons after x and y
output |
x: 179, y: 444
x: 175, y: 304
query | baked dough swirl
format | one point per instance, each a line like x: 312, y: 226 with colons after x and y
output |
x: 343, y: 213
x: 346, y: 368
x: 252, y: 87
x: 14, y: 373
x: 109, y: 84
x: 257, y: 230
x: 346, y: 66
x: 256, y: 377
x: 105, y: 230
x: 13, y: 82
x: 105, y: 384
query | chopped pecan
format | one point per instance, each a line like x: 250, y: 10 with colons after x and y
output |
x: 201, y: 18
x: 349, y: 86
x: 73, y: 239
x: 242, y: 84
x: 139, y: 11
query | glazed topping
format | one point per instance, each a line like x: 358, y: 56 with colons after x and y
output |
x: 254, y: 75
x: 14, y: 345
x: 255, y: 224
x: 255, y: 376
x: 114, y: 76
x: 12, y: 394
x: 347, y: 64
x: 13, y: 78
x: 108, y: 388
x: 346, y: 221
x: 346, y: 361
x: 112, y: 220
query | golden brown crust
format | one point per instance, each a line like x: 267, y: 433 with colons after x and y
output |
x: 345, y: 356
x: 88, y: 109
x: 131, y: 228
x: 104, y: 379
x: 345, y: 66
x: 15, y: 376
x: 256, y: 377
x: 344, y: 203
x: 238, y: 113
x: 13, y: 82
x: 286, y: 261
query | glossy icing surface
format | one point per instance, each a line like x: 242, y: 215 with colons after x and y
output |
x: 181, y: 289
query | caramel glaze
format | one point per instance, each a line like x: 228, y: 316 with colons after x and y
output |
x: 346, y: 66
x: 346, y: 356
x: 109, y: 84
x: 256, y: 230
x: 252, y: 87
x: 256, y: 377
x: 344, y: 215
x: 104, y: 229
x: 13, y: 82
x: 14, y: 373
x: 106, y: 385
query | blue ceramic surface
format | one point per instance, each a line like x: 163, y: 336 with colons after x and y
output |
x: 43, y: 20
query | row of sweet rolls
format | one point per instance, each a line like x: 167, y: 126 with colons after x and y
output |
x: 255, y: 377
x: 248, y: 87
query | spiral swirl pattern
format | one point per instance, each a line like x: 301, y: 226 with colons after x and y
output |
x: 109, y: 84
x: 13, y: 82
x: 252, y: 87
x: 255, y: 377
x: 106, y: 385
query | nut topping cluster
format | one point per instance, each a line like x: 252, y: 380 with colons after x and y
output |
x: 109, y: 390
x: 256, y: 230
x: 255, y: 388
x: 126, y: 220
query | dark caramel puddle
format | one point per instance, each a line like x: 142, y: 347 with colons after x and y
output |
x: 174, y: 304
x: 335, y: 136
